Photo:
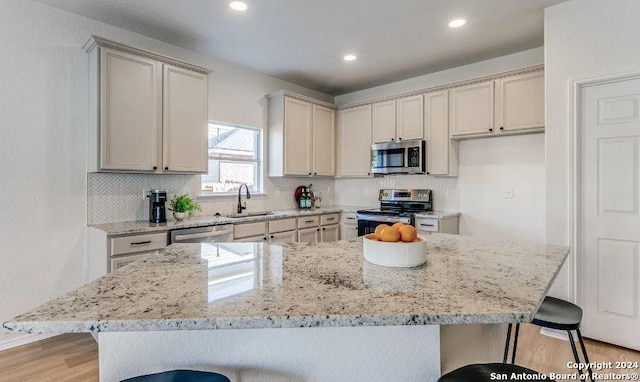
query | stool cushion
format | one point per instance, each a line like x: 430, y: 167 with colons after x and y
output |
x: 180, y: 376
x: 558, y: 314
x: 483, y: 372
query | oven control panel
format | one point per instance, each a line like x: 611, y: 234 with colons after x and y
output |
x: 405, y: 195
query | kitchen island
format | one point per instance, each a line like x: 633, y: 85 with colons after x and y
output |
x: 305, y: 312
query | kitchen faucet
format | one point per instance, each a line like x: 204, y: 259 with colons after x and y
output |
x: 240, y: 207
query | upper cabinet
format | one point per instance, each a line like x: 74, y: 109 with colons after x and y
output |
x: 301, y: 136
x: 148, y: 113
x: 442, y: 152
x: 355, y: 142
x: 399, y: 119
x: 509, y: 105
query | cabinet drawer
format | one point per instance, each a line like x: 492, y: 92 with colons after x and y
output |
x: 427, y: 224
x: 308, y: 221
x: 249, y: 229
x: 138, y: 243
x: 349, y: 218
x: 282, y: 225
x: 329, y: 219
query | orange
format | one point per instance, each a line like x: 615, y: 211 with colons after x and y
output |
x: 390, y: 234
x: 398, y: 225
x: 379, y: 229
x: 408, y: 233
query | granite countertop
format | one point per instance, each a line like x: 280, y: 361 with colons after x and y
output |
x: 134, y: 227
x: 256, y: 285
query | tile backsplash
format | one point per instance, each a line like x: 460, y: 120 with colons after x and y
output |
x: 113, y: 197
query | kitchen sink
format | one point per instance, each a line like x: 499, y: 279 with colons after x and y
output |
x: 253, y: 214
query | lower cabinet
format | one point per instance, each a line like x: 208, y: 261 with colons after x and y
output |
x: 329, y: 233
x: 446, y: 225
x: 348, y: 226
x: 251, y: 239
x: 283, y: 237
x: 308, y: 235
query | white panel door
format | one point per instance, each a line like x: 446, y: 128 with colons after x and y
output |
x: 471, y: 109
x: 330, y: 233
x: 441, y: 155
x: 131, y: 111
x: 348, y: 232
x: 609, y: 251
x: 355, y: 141
x: 324, y: 139
x: 283, y: 237
x: 185, y: 119
x: 520, y: 102
x: 410, y: 118
x: 308, y: 235
x: 384, y: 121
x: 297, y: 137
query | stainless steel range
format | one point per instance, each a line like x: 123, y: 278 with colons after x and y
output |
x: 396, y: 205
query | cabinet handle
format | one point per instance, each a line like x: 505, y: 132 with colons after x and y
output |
x: 501, y: 128
x: 323, y: 228
x: 351, y: 218
x: 272, y: 236
x: 427, y: 172
x: 315, y: 173
x: 141, y: 243
x: 318, y: 230
x: 309, y: 173
x: 426, y: 225
x: 155, y: 167
x: 308, y: 221
x: 331, y: 218
x: 491, y: 129
x: 368, y: 174
x: 392, y: 139
x: 166, y: 168
x: 265, y: 238
x: 399, y: 138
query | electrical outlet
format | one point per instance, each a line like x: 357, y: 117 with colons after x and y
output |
x: 508, y: 194
x: 445, y: 192
x: 144, y: 193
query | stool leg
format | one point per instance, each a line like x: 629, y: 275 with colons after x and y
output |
x: 575, y: 351
x: 506, y: 345
x: 515, y: 344
x: 584, y: 353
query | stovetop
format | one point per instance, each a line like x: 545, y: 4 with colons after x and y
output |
x: 387, y: 212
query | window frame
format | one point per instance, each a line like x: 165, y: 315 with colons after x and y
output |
x: 259, y: 161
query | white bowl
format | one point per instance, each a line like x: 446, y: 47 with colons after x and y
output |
x: 397, y: 255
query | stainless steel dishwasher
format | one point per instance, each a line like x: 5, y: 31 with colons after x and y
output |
x: 211, y: 234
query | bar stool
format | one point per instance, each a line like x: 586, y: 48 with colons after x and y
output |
x: 486, y: 372
x: 180, y: 376
x: 554, y: 314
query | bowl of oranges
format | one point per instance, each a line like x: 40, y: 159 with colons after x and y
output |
x: 395, y: 246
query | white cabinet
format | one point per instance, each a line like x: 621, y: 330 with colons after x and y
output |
x: 308, y: 235
x: 442, y: 152
x: 283, y: 237
x: 409, y: 118
x: 251, y: 239
x: 129, y: 248
x: 282, y: 231
x: 301, y: 136
x: 147, y: 113
x: 384, y: 121
x: 348, y: 226
x: 449, y: 224
x: 471, y: 109
x: 508, y: 105
x: 253, y: 231
x: 355, y: 142
x: 520, y: 102
x: 329, y: 233
x: 398, y: 120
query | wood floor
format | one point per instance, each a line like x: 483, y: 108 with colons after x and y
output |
x: 74, y: 357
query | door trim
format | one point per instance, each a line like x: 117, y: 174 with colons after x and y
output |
x: 575, y: 156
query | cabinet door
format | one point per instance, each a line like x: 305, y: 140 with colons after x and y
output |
x: 297, y: 137
x: 283, y: 237
x: 348, y: 232
x: 442, y: 156
x: 384, y: 121
x: 185, y: 119
x: 355, y: 141
x: 324, y: 139
x: 471, y: 109
x: 131, y: 111
x: 520, y: 102
x: 308, y: 235
x: 410, y: 118
x: 329, y: 233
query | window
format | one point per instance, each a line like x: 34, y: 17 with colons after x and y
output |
x: 234, y: 158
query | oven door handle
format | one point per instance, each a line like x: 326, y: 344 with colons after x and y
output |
x: 384, y: 219
x: 211, y: 233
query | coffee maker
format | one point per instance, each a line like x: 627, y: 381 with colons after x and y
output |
x: 157, y: 213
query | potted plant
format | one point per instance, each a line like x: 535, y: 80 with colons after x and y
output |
x: 183, y: 206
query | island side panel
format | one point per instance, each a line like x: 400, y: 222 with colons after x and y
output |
x: 462, y: 345
x: 385, y: 353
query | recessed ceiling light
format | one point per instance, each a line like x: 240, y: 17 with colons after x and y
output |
x: 350, y: 57
x: 457, y: 23
x: 238, y: 6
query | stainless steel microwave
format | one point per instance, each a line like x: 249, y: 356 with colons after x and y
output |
x: 404, y: 157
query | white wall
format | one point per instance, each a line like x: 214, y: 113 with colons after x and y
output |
x: 43, y: 130
x: 490, y: 167
x: 584, y: 39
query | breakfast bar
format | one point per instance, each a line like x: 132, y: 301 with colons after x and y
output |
x: 305, y: 311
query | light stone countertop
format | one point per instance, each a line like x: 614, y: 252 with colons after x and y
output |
x: 190, y: 287
x: 138, y: 227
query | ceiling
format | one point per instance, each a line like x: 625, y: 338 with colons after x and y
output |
x: 303, y: 41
